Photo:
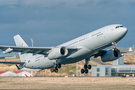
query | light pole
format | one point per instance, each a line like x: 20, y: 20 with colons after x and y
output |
x: 77, y: 69
x: 32, y: 46
x: 32, y: 41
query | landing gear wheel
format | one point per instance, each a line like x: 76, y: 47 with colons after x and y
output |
x: 59, y: 65
x: 56, y: 70
x: 86, y: 71
x: 85, y: 66
x: 56, y: 66
x: 52, y: 70
x: 89, y: 66
x: 82, y: 71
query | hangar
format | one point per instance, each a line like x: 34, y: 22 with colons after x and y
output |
x: 23, y: 74
x: 117, y: 69
x: 15, y: 74
x: 7, y: 74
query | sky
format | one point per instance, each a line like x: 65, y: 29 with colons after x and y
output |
x: 53, y: 22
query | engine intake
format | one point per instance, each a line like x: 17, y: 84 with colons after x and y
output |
x: 111, y: 55
x: 57, y: 53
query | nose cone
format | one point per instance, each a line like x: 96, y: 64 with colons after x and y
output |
x: 125, y: 30
x: 122, y: 32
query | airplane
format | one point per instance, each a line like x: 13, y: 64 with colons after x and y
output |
x: 78, y: 49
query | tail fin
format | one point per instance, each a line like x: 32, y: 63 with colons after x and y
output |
x: 20, y: 42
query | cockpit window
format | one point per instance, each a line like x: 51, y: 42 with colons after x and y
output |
x: 119, y: 26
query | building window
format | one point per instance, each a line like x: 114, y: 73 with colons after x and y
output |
x: 98, y: 69
x: 98, y: 74
x: 133, y: 70
x: 113, y: 70
x: 123, y: 70
x: 107, y: 71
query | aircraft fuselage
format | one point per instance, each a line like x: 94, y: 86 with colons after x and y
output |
x: 89, y: 43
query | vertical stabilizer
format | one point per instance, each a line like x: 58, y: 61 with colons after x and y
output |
x: 21, y: 43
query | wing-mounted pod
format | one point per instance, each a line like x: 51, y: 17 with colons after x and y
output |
x: 8, y: 50
x: 57, y: 53
x: 111, y: 55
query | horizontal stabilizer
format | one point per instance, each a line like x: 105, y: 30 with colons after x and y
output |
x: 12, y: 62
x: 27, y: 69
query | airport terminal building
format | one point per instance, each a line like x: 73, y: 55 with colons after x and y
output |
x: 117, y: 69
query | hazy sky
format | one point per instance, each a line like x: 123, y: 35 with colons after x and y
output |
x: 53, y: 22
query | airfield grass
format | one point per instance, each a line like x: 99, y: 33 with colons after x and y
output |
x: 70, y: 83
x: 68, y: 68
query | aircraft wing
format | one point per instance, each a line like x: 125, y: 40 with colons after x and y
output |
x: 33, y: 50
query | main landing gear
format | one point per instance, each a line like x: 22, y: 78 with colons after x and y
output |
x: 55, y: 69
x: 86, y: 67
x: 85, y: 70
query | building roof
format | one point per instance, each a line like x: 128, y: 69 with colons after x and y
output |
x: 17, y: 72
x: 1, y: 72
x: 121, y: 66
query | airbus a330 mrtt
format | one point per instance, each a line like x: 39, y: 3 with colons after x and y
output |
x: 83, y: 47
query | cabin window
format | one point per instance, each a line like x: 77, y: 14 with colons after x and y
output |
x: 107, y: 71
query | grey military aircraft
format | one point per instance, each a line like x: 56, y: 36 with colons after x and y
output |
x: 84, y: 47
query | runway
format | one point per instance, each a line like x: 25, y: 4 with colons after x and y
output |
x: 69, y: 83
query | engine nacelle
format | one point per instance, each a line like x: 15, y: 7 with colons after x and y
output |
x: 111, y: 55
x: 57, y: 53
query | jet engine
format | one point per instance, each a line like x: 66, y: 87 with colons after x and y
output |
x: 57, y: 53
x: 111, y: 55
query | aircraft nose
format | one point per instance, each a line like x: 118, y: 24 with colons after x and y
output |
x: 123, y: 31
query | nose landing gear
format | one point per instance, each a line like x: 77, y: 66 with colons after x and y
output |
x: 114, y: 44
